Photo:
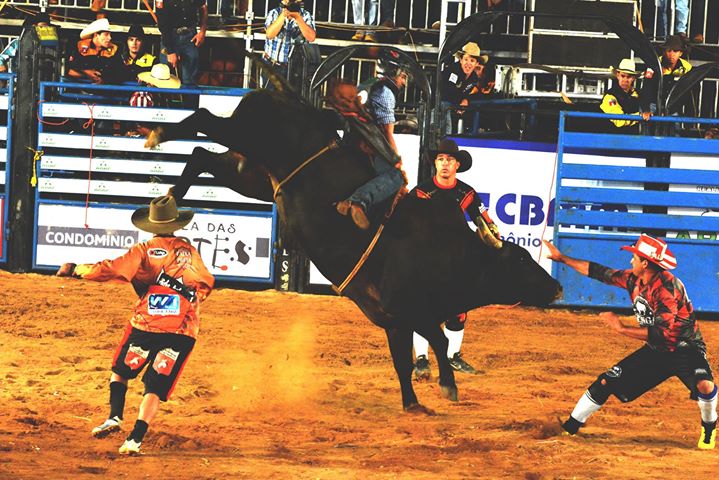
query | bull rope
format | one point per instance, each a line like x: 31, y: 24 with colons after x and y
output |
x: 331, y: 146
x: 400, y: 193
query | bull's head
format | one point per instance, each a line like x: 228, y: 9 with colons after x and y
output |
x: 519, y: 279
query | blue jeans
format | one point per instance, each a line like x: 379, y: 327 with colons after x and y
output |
x: 359, y: 13
x: 681, y: 8
x: 387, y: 182
x: 189, y: 56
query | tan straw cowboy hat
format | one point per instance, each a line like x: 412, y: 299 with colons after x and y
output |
x: 161, y: 216
x: 627, y: 66
x: 100, y: 25
x: 472, y: 49
x: 160, y: 77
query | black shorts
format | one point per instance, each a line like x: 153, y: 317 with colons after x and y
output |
x: 646, y: 368
x: 166, y: 353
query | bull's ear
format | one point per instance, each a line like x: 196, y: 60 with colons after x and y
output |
x: 279, y: 83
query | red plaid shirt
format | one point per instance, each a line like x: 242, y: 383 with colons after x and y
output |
x: 661, y: 305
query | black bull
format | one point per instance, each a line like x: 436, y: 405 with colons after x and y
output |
x: 426, y: 266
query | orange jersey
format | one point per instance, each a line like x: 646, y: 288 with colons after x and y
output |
x: 168, y: 276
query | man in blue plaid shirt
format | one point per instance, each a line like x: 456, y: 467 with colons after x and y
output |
x: 286, y: 26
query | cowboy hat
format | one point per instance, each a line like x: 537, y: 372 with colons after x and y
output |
x: 450, y: 147
x: 627, y: 66
x: 676, y: 43
x: 40, y: 17
x: 472, y: 49
x: 160, y: 77
x: 161, y: 216
x: 136, y: 31
x: 99, y: 25
x: 655, y: 250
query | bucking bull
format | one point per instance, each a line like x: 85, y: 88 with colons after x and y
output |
x: 426, y: 266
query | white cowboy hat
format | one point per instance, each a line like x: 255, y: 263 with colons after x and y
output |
x: 472, y: 49
x: 99, y: 25
x: 627, y: 66
x: 160, y: 77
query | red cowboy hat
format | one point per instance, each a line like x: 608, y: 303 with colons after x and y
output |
x: 655, y: 250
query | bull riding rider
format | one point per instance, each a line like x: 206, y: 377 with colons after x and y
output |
x: 674, y: 346
x: 389, y: 178
x: 171, y: 280
x: 623, y: 98
x: 95, y: 57
x: 450, y: 160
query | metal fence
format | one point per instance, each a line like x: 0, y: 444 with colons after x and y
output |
x: 417, y: 14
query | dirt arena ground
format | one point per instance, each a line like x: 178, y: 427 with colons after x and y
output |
x: 291, y: 386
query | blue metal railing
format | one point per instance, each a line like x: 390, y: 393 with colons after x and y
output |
x: 600, y: 207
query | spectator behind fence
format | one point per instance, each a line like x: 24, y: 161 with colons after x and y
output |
x: 135, y: 55
x: 95, y: 57
x: 365, y: 10
x: 7, y: 57
x: 226, y: 11
x: 623, y: 98
x: 459, y: 82
x: 681, y: 15
x: 286, y: 25
x: 673, y: 68
x: 178, y: 21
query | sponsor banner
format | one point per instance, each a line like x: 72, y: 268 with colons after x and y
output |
x: 2, y: 177
x: 234, y: 245
x: 3, y: 133
x: 695, y: 162
x: 137, y: 189
x: 220, y: 105
x: 113, y: 165
x: 108, y: 112
x: 123, y: 144
x: 2, y: 226
x: 4, y: 101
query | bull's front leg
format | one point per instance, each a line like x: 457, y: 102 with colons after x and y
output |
x: 439, y: 343
x: 220, y: 130
x: 400, y: 346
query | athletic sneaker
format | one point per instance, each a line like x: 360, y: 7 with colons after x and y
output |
x: 421, y: 368
x: 130, y: 447
x: 110, y: 425
x: 707, y: 440
x: 458, y: 363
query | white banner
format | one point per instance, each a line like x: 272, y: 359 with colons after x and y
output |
x: 106, y: 112
x: 237, y: 245
x: 124, y: 144
x: 4, y: 102
x: 113, y: 165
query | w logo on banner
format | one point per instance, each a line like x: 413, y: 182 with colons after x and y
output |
x: 163, y: 304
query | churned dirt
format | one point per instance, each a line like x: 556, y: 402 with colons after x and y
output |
x: 291, y: 386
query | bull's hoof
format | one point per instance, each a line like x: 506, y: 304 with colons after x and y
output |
x: 417, y: 409
x: 449, y: 392
x: 154, y: 138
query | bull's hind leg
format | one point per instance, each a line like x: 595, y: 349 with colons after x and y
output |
x: 400, y: 346
x: 438, y: 341
x: 229, y: 169
x: 218, y: 129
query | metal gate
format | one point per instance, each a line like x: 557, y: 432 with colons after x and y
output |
x: 6, y: 102
x: 603, y: 205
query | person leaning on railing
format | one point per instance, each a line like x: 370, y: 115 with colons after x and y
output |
x: 95, y: 57
x: 623, y: 98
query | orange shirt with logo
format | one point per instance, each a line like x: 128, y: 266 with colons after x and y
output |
x: 169, y: 277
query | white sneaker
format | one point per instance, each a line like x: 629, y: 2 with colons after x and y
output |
x: 130, y: 447
x: 110, y: 425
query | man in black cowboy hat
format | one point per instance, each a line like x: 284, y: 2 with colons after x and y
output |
x: 171, y: 280
x: 448, y: 161
x: 135, y: 55
x: 673, y: 347
x: 674, y: 66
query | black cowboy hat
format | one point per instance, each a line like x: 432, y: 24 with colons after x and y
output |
x: 450, y: 147
x: 40, y: 17
x: 676, y: 43
x: 161, y: 216
x: 136, y: 30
